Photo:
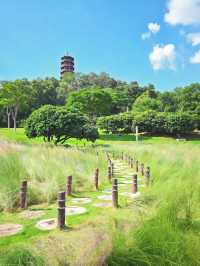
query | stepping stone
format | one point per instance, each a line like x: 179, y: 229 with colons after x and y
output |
x: 103, y: 204
x: 105, y: 197
x: 74, y: 210
x: 128, y: 194
x: 81, y: 200
x: 9, y: 229
x: 28, y: 214
x: 47, y: 224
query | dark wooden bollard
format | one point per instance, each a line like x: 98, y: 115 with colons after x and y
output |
x: 134, y: 184
x: 131, y: 162
x: 142, y: 169
x: 137, y: 166
x: 69, y: 186
x: 96, y: 179
x: 122, y: 156
x: 23, y: 195
x: 61, y: 210
x: 114, y: 193
x: 147, y: 176
x: 109, y: 173
x: 112, y: 169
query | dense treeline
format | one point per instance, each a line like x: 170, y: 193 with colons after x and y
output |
x: 100, y: 95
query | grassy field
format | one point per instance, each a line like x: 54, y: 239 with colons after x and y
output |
x: 161, y: 228
x: 105, y: 139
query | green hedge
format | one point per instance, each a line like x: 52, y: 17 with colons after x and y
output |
x: 150, y: 121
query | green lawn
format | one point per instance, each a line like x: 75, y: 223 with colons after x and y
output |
x: 105, y: 139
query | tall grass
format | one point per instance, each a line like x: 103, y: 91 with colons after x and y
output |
x: 46, y: 169
x: 169, y: 232
x: 162, y: 228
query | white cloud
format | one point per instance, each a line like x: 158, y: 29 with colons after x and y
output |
x: 195, y: 59
x: 146, y: 35
x: 194, y: 38
x: 153, y: 28
x: 184, y: 12
x: 163, y: 57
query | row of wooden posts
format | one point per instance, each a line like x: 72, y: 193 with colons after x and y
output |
x: 139, y: 167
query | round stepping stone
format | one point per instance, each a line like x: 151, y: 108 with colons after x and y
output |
x: 81, y: 200
x: 105, y: 197
x: 74, y: 210
x: 9, y: 229
x: 103, y: 204
x: 128, y: 194
x: 31, y: 214
x: 47, y: 224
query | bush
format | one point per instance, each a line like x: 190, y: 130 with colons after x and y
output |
x: 151, y: 122
x: 57, y: 124
x: 123, y: 123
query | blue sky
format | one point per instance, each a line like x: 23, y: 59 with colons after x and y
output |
x: 151, y: 41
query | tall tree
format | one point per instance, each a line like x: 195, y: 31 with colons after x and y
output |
x: 14, y: 95
x: 93, y: 102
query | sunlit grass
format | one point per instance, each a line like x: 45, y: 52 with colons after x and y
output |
x: 162, y: 228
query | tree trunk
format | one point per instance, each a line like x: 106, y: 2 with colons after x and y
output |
x: 8, y: 116
x: 14, y: 117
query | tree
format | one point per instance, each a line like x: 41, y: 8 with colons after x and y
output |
x: 168, y: 101
x: 58, y: 125
x: 92, y: 102
x: 14, y: 97
x: 146, y: 103
x: 188, y: 98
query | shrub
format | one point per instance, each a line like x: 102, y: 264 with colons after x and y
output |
x: 58, y: 124
x: 150, y: 121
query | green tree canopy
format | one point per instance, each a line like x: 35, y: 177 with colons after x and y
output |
x: 57, y: 124
x: 93, y: 102
x: 145, y: 103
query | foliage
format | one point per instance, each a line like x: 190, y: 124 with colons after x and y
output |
x: 150, y: 121
x: 92, y: 102
x: 144, y: 103
x: 92, y: 94
x: 57, y: 124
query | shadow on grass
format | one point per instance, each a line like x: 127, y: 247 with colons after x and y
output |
x: 147, y: 136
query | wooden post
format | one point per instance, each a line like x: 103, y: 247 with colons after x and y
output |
x: 136, y: 166
x: 96, y: 179
x: 134, y: 184
x: 69, y: 186
x: 122, y: 156
x: 112, y: 169
x: 61, y: 210
x: 109, y: 173
x: 147, y: 176
x: 23, y: 195
x: 131, y: 162
x: 114, y: 193
x: 142, y: 169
